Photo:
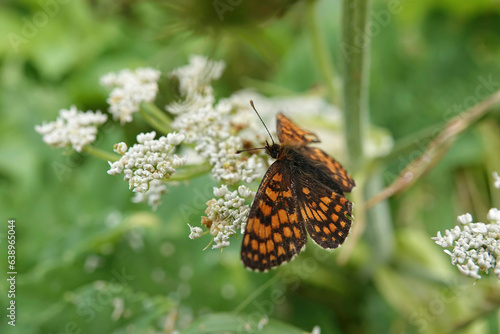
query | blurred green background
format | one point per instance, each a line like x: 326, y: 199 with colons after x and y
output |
x: 90, y: 261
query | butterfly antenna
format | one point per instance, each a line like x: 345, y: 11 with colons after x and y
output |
x: 251, y: 103
x: 250, y: 149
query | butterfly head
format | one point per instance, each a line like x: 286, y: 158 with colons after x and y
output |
x: 273, y: 150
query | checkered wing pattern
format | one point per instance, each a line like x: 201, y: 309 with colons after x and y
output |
x: 288, y: 132
x: 326, y: 214
x: 329, y: 166
x: 275, y: 232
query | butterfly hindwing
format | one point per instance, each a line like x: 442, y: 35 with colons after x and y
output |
x: 274, y: 233
x: 326, y: 213
x: 288, y: 132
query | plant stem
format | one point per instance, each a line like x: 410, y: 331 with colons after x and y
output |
x: 97, y: 152
x: 190, y: 172
x: 159, y: 115
x: 437, y: 148
x: 320, y: 49
x: 158, y: 126
x: 355, y: 47
x: 257, y: 292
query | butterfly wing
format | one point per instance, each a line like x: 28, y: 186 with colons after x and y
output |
x: 274, y: 233
x: 326, y: 213
x: 329, y: 166
x: 288, y: 132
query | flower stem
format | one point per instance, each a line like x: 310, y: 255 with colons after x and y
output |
x: 355, y: 61
x: 155, y: 117
x: 355, y: 47
x: 257, y: 292
x: 320, y: 49
x: 437, y: 148
x: 190, y: 172
x: 97, y: 152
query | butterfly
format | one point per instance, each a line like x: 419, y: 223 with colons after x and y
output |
x: 303, y: 190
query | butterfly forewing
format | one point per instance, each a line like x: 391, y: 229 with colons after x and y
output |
x: 274, y: 233
x: 288, y: 132
x: 329, y: 166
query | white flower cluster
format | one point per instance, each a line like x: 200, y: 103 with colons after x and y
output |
x: 476, y: 246
x: 130, y: 88
x: 150, y: 159
x: 217, y: 130
x: 72, y: 127
x: 231, y: 168
x: 194, y: 83
x: 226, y: 214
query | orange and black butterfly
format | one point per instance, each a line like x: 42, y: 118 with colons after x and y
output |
x: 302, y: 190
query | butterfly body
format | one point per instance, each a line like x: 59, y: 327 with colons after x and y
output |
x: 303, y: 190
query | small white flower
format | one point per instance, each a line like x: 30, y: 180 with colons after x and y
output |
x: 152, y: 196
x: 245, y: 192
x: 478, y: 228
x: 196, y: 232
x: 262, y: 322
x: 118, y: 308
x: 130, y: 89
x: 120, y: 148
x: 469, y: 269
x: 316, y: 330
x: 485, y: 261
x: 497, y: 180
x: 72, y: 127
x: 494, y: 215
x: 465, y: 219
x: 221, y: 192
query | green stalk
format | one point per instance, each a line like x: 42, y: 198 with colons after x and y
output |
x: 155, y: 124
x: 101, y: 154
x: 257, y: 292
x: 320, y: 50
x: 190, y: 172
x: 355, y: 47
x: 152, y: 110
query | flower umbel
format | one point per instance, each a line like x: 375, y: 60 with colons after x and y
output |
x: 475, y: 246
x: 150, y: 159
x: 72, y: 128
x: 130, y: 88
x: 226, y: 214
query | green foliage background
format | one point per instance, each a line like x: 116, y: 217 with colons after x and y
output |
x: 426, y: 59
